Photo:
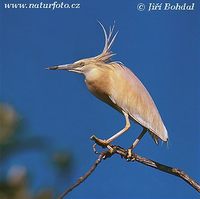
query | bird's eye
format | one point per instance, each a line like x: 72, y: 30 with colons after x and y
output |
x: 81, y: 64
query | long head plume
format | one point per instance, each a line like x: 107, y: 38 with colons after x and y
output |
x: 106, y: 54
x: 83, y: 65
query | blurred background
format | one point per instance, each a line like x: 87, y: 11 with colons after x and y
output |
x: 47, y: 117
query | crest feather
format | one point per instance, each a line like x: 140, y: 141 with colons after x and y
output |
x: 109, y: 39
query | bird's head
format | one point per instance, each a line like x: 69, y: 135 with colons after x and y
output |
x: 80, y: 66
x: 84, y: 65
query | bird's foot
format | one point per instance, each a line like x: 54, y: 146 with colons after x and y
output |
x: 100, y: 142
x: 130, y: 155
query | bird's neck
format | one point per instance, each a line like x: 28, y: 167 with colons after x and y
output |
x: 97, y: 77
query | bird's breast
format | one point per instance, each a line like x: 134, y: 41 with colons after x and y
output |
x: 98, y: 82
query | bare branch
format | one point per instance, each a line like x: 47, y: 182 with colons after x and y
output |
x: 113, y: 149
x: 84, y: 177
x: 173, y: 171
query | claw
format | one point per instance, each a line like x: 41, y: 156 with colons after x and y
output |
x: 130, y: 155
x: 111, y: 150
x: 94, y: 149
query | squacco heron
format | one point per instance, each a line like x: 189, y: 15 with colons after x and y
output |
x: 115, y: 84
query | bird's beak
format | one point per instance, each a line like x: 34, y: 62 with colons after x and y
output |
x: 68, y: 67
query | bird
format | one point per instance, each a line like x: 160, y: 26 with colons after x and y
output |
x: 115, y: 84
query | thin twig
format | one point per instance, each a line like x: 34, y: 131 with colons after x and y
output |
x: 134, y: 157
x: 84, y: 177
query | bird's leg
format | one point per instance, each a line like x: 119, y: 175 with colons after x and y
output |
x: 136, y: 142
x: 105, y: 143
x: 127, y: 126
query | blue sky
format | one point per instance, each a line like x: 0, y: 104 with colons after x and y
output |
x: 162, y: 48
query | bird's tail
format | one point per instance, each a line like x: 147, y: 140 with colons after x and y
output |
x: 155, y: 137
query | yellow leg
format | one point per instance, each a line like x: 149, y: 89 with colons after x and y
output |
x: 136, y: 142
x: 138, y: 138
x: 108, y: 141
x: 127, y: 126
x: 105, y: 143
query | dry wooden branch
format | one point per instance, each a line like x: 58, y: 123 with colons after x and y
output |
x: 113, y: 149
x: 173, y: 171
x: 84, y: 177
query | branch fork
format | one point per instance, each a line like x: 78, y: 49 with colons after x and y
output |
x: 112, y: 149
